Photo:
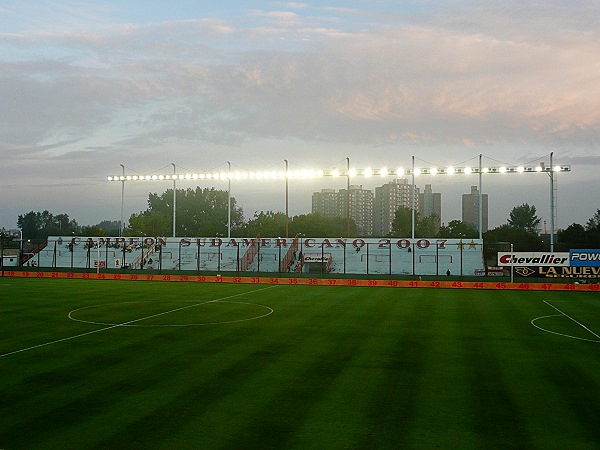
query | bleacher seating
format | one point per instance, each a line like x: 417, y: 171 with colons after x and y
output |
x: 359, y: 256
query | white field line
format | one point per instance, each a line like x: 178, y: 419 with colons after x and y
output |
x: 270, y: 311
x: 562, y: 314
x: 577, y: 322
x: 130, y: 322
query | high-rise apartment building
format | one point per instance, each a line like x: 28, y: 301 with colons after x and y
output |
x: 470, y: 209
x: 330, y: 203
x: 388, y: 199
x: 327, y: 203
x: 430, y: 203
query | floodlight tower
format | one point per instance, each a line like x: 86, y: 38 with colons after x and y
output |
x: 229, y: 200
x: 412, y: 223
x: 174, y: 198
x: 287, y: 212
x: 480, y: 218
x: 122, y: 224
x: 552, y: 205
x: 348, y: 196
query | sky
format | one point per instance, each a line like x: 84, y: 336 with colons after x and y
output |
x: 86, y: 86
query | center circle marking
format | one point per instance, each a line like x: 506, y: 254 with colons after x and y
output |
x: 130, y: 323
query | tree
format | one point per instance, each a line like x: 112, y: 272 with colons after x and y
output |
x: 148, y: 223
x: 592, y: 230
x: 522, y: 239
x: 93, y: 230
x: 110, y: 227
x: 459, y: 230
x: 524, y: 216
x: 318, y: 226
x: 200, y: 212
x: 402, y: 223
x: 574, y: 236
x: 594, y: 222
x: 424, y: 226
x: 428, y: 226
x: 266, y: 224
x: 40, y: 225
x: 30, y: 224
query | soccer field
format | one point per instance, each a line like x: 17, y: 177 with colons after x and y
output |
x: 113, y: 364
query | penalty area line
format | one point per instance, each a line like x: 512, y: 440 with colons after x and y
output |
x: 130, y: 322
x: 574, y: 320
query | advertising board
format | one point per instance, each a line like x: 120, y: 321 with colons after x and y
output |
x: 532, y: 259
x: 557, y: 272
x: 584, y: 258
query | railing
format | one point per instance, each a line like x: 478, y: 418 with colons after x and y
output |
x: 248, y: 257
x: 286, y: 262
x: 139, y: 262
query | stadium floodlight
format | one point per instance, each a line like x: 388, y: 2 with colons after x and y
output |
x: 353, y: 172
x: 349, y: 173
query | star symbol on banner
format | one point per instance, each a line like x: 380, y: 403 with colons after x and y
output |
x: 460, y: 245
x: 472, y: 244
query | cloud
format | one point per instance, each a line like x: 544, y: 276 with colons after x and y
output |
x: 500, y: 78
x: 423, y: 79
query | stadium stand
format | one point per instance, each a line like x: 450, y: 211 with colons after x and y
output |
x: 326, y: 255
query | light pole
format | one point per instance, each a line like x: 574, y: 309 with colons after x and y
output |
x: 121, y: 227
x: 287, y: 211
x: 552, y: 205
x: 174, y: 198
x: 480, y: 218
x: 20, y: 245
x: 511, y: 263
x: 348, y: 196
x: 412, y: 219
x: 229, y: 200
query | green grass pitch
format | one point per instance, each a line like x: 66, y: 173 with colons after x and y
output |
x: 111, y: 364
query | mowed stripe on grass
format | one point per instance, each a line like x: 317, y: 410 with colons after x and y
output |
x: 332, y: 367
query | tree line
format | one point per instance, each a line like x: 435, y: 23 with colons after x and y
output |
x: 204, y: 212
